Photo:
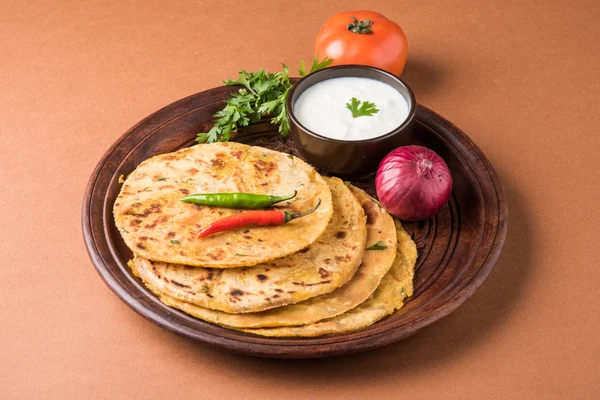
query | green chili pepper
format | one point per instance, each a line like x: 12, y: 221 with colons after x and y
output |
x: 236, y: 200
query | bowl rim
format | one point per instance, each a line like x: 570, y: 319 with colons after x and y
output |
x: 409, y: 118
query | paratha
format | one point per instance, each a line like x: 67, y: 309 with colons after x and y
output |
x: 155, y: 224
x: 375, y: 264
x: 318, y: 269
x: 389, y: 296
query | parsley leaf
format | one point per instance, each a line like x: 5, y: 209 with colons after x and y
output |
x: 377, y: 246
x: 262, y: 94
x: 365, y: 110
x: 316, y: 65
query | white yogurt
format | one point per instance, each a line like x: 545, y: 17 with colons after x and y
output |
x: 322, y: 108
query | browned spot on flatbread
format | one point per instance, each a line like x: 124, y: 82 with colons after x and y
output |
x: 371, y: 210
x: 208, y: 277
x: 264, y: 168
x: 262, y: 277
x: 135, y: 222
x: 340, y: 235
x: 157, y: 221
x: 184, y: 191
x: 172, y: 235
x: 154, y: 208
x: 140, y: 246
x: 179, y: 284
x: 192, y: 171
x: 220, y: 254
x: 185, y: 152
x: 311, y: 284
x: 323, y: 272
x: 218, y: 162
x: 237, y: 154
x: 236, y: 292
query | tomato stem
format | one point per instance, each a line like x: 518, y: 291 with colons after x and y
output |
x: 361, y: 27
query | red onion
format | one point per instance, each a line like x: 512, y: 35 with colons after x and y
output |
x: 413, y: 183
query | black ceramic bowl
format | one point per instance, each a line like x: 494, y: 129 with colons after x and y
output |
x: 344, y: 157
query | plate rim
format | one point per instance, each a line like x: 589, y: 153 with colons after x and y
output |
x: 304, y: 347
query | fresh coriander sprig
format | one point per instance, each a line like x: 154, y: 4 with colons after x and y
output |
x: 262, y: 94
x: 365, y: 110
x: 316, y: 65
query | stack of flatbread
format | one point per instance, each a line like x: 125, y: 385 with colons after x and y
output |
x: 340, y: 268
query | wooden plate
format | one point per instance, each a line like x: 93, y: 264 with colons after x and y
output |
x: 457, y: 248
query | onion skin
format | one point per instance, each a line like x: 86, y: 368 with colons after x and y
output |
x: 413, y: 183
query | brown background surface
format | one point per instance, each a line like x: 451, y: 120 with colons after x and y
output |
x: 521, y: 78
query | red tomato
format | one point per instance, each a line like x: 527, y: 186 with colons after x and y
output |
x: 363, y: 37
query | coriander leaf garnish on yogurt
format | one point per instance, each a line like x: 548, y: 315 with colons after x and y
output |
x: 365, y: 110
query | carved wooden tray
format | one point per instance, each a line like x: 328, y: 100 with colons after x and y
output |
x: 457, y: 248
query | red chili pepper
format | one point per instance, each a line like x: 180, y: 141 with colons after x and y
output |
x: 253, y: 218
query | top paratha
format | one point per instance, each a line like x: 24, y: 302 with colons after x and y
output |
x: 155, y: 224
x: 318, y: 269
